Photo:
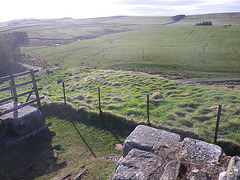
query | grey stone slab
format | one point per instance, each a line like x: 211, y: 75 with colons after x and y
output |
x: 200, y: 152
x: 22, y: 121
x: 137, y: 165
x: 233, y: 172
x: 150, y: 139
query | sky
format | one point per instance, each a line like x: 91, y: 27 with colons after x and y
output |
x: 49, y: 9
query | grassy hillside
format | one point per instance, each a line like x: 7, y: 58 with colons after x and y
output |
x: 140, y: 43
x: 82, y: 141
x: 218, y: 19
x: 186, y: 105
x: 200, y: 51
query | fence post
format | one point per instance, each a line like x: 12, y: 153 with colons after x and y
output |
x: 217, y: 123
x: 148, y: 109
x: 35, y: 89
x: 99, y: 101
x: 13, y: 90
x: 64, y: 96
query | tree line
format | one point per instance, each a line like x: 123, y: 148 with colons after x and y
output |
x: 10, y: 52
x: 205, y: 23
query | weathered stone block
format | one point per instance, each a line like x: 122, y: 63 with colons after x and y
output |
x: 150, y: 139
x: 137, y: 165
x: 200, y: 152
x: 233, y: 172
x: 22, y: 121
x: 173, y: 170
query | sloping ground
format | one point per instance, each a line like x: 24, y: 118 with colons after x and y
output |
x: 218, y: 19
x: 185, y: 105
x: 206, y: 52
x: 81, y: 144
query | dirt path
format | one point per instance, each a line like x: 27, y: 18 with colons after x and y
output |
x: 31, y: 67
x: 209, y: 80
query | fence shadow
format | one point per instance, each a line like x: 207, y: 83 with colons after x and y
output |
x: 84, y: 140
x: 119, y: 126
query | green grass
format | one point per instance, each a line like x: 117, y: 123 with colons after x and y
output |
x: 81, y: 137
x: 141, y: 43
x: 82, y: 141
x: 205, y: 52
x: 186, y: 105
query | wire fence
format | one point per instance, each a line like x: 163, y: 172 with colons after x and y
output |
x: 142, y: 107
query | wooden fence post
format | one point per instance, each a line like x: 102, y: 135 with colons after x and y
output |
x: 148, y: 109
x: 99, y: 101
x: 13, y: 90
x: 64, y: 95
x: 217, y: 123
x: 35, y: 89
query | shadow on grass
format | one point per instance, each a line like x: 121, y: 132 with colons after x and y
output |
x: 84, y: 140
x: 118, y: 126
x: 29, y: 160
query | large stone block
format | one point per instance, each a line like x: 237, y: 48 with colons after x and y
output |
x: 137, y: 165
x: 150, y: 139
x: 201, y: 152
x: 233, y: 172
x: 22, y: 121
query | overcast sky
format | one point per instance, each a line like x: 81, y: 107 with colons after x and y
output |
x: 41, y: 9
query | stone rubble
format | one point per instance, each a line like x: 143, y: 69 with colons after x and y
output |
x: 151, y: 153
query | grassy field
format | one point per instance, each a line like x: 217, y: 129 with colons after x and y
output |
x: 85, y: 142
x: 81, y: 141
x: 205, y: 52
x: 186, y: 105
x: 140, y: 43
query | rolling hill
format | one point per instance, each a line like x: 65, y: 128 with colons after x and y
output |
x: 150, y: 44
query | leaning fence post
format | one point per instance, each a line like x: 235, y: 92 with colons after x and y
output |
x: 64, y: 96
x: 148, y: 109
x: 99, y: 101
x: 35, y: 89
x: 217, y: 123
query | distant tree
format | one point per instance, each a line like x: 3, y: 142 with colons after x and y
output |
x: 205, y: 23
x: 20, y: 37
x: 178, y: 17
x: 10, y: 52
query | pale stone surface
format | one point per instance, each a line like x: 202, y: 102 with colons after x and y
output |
x: 150, y: 139
x: 200, y: 152
x: 233, y: 172
x: 157, y: 95
x: 222, y: 176
x: 137, y: 165
x: 22, y: 121
x: 171, y: 170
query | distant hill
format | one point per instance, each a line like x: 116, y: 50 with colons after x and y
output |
x: 146, y: 43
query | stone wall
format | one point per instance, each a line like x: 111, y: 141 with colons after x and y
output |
x: 22, y: 122
x: 151, y: 153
